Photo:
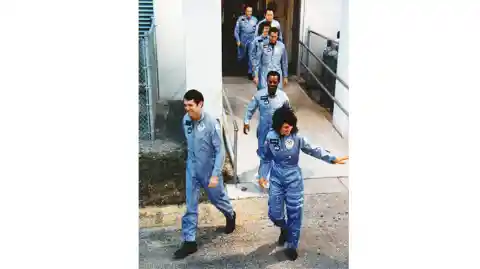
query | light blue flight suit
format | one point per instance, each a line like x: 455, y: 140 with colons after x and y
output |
x: 266, y: 105
x: 205, y: 159
x: 245, y: 32
x: 286, y: 180
x: 271, y: 58
x: 275, y: 24
x: 255, y: 47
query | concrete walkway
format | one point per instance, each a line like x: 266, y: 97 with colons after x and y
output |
x: 320, y: 177
x: 323, y: 242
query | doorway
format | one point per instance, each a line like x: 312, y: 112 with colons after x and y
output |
x: 287, y: 12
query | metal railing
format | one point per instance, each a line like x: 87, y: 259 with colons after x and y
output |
x: 235, y: 137
x: 324, y: 65
x: 148, y: 84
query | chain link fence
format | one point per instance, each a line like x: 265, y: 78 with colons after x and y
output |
x: 147, y: 84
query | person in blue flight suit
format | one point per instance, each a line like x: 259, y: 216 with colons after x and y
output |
x: 273, y: 23
x: 204, y: 169
x: 266, y: 101
x: 244, y: 32
x: 257, y: 44
x: 281, y: 155
x: 271, y: 57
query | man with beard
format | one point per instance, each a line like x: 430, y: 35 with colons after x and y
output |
x: 266, y: 101
x: 204, y: 169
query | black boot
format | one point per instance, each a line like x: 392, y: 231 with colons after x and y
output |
x: 230, y: 225
x: 291, y: 254
x: 250, y: 76
x: 283, y: 237
x: 186, y: 249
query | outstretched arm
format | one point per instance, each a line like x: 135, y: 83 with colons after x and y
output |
x: 316, y: 152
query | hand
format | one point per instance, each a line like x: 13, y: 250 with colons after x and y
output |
x: 255, y: 80
x: 262, y: 182
x: 246, y: 128
x: 285, y: 81
x: 238, y: 43
x: 213, y: 182
x: 340, y: 160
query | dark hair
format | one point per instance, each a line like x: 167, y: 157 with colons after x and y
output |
x: 248, y: 6
x: 194, y: 95
x: 338, y: 34
x: 261, y: 26
x: 269, y: 9
x: 273, y: 30
x: 283, y: 115
x: 273, y: 73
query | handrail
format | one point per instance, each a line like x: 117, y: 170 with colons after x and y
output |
x: 335, y: 100
x: 322, y: 36
x: 235, y: 138
x: 325, y: 65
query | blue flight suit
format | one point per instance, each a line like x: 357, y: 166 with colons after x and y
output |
x: 286, y: 180
x: 245, y: 32
x: 266, y: 105
x: 275, y: 24
x: 206, y: 156
x: 271, y: 58
x: 255, y: 47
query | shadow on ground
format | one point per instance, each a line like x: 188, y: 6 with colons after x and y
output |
x: 217, y: 250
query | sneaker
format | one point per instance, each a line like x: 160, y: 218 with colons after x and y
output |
x: 283, y: 237
x: 230, y: 224
x: 291, y: 254
x: 186, y: 249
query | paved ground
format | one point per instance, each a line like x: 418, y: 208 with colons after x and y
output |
x: 324, y: 239
x: 312, y: 123
x: 323, y: 244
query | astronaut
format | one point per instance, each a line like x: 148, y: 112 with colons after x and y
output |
x: 266, y: 101
x: 257, y: 44
x: 273, y: 23
x: 204, y: 169
x: 272, y: 57
x: 244, y: 33
x: 281, y: 155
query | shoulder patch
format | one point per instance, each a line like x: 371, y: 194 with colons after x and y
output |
x: 259, y: 40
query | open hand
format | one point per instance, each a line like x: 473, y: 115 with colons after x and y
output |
x: 246, y: 128
x: 341, y: 160
x: 213, y: 182
x: 262, y: 182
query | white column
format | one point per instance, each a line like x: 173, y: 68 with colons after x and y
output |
x: 340, y: 120
x: 169, y: 22
x: 203, y: 51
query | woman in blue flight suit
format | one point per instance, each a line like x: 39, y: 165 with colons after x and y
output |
x: 282, y: 146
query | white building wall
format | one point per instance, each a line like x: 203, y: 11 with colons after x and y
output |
x: 169, y: 21
x: 327, y: 17
x: 340, y: 120
x: 322, y: 16
x: 189, y: 56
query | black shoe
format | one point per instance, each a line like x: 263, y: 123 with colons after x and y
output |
x: 250, y: 76
x: 186, y: 249
x: 291, y: 254
x: 230, y: 225
x: 283, y: 237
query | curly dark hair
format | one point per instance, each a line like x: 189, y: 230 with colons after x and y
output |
x: 283, y: 115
